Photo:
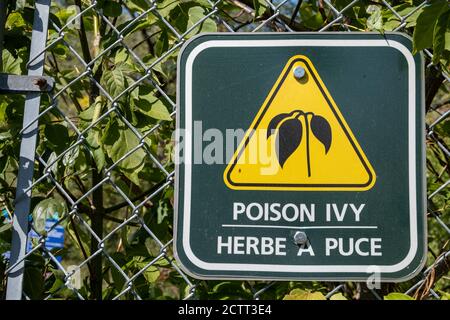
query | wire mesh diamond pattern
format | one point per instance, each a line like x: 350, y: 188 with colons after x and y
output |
x: 127, y: 33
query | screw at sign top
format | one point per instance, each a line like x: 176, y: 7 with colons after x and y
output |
x: 299, y: 72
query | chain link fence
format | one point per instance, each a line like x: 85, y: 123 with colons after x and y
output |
x: 121, y: 201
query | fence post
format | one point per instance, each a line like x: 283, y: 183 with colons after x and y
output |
x: 27, y: 154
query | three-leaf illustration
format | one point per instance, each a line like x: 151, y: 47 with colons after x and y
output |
x: 289, y: 133
x: 322, y: 131
x: 289, y: 138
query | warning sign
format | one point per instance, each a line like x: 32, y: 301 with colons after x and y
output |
x: 300, y: 157
x: 299, y: 140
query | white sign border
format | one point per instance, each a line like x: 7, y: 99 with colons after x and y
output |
x: 272, y: 268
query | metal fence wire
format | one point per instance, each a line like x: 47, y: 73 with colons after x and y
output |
x: 139, y: 27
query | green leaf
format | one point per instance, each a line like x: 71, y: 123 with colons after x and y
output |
x: 188, y: 14
x: 99, y: 103
x: 60, y: 50
x: 208, y: 26
x: 162, y: 44
x: 338, y: 296
x: 5, y: 135
x: 227, y: 290
x: 54, y: 167
x: 444, y: 295
x: 151, y: 247
x: 411, y: 21
x: 65, y: 14
x: 196, y: 14
x: 112, y: 9
x: 15, y: 21
x: 94, y: 139
x: 300, y: 294
x: 403, y: 10
x: 143, y: 23
x: 447, y: 39
x: 206, y: 3
x: 424, y: 31
x: 149, y: 59
x: 441, y: 35
x: 71, y: 156
x: 114, y: 82
x: 159, y: 111
x: 5, y: 227
x: 161, y: 230
x: 445, y: 127
x: 11, y: 64
x: 122, y: 55
x: 33, y: 283
x: 87, y: 114
x: 310, y: 16
x: 57, y: 284
x: 151, y: 274
x: 397, y: 296
x: 117, y: 277
x: 117, y: 141
x: 138, y: 5
x: 3, y: 115
x: 260, y: 7
x: 58, y: 136
x: 3, y: 163
x: 163, y: 212
x: 152, y: 106
x: 375, y: 21
x: 391, y: 25
x: 165, y: 7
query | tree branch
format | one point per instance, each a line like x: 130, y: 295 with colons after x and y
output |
x: 83, y: 37
x: 440, y: 268
x: 433, y: 81
x: 296, y: 10
x: 80, y: 243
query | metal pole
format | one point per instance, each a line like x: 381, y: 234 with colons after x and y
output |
x: 27, y: 155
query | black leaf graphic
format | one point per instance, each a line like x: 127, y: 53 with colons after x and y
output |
x: 322, y: 131
x: 274, y: 123
x: 289, y: 138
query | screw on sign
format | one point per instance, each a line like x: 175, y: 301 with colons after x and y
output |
x: 300, y: 238
x: 316, y: 187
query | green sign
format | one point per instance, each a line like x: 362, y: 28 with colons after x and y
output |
x: 300, y: 156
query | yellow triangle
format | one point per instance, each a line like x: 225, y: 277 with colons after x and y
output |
x: 310, y: 148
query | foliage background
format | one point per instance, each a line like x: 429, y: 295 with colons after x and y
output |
x: 104, y: 63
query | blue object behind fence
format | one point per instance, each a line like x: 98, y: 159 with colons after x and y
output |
x: 55, y: 238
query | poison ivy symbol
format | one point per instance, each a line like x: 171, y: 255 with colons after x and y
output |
x: 289, y: 131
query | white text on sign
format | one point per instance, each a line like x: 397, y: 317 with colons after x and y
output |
x: 247, y: 214
x: 291, y: 212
